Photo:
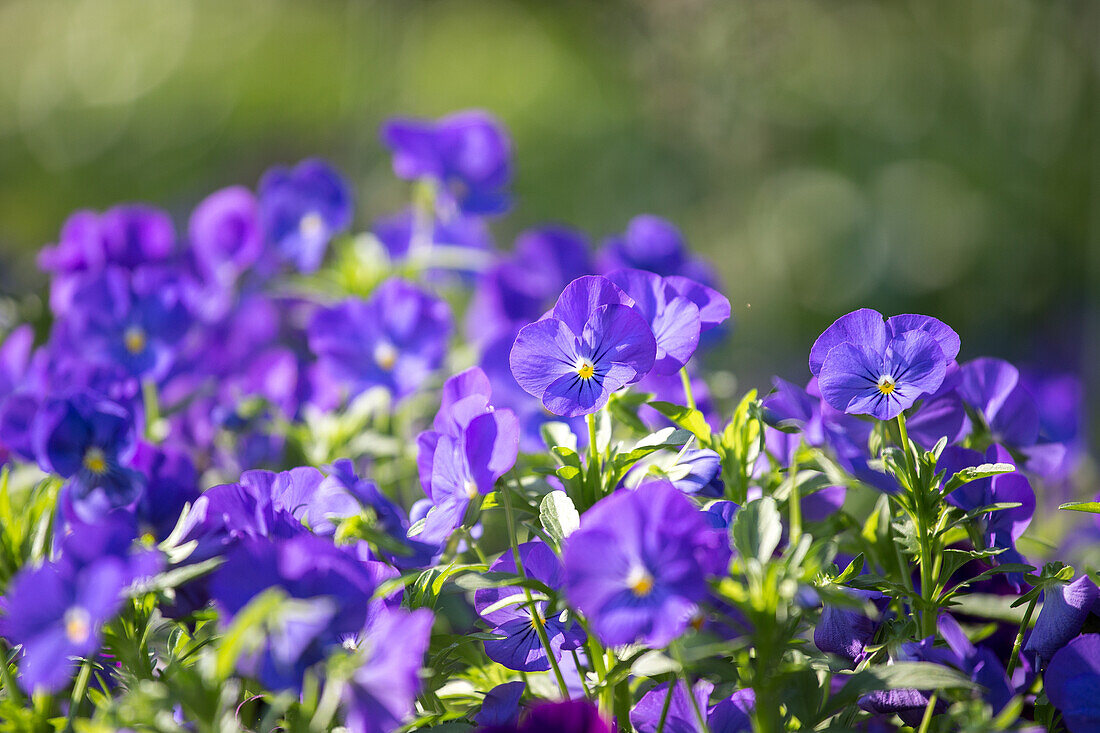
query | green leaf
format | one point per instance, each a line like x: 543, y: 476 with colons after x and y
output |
x: 901, y: 675
x: 664, y: 439
x: 623, y: 407
x: 686, y: 418
x: 558, y: 515
x: 1092, y: 507
x: 852, y: 570
x: 757, y: 529
x: 974, y: 473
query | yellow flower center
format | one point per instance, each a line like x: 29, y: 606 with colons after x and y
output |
x: 134, y: 339
x: 95, y: 461
x: 385, y: 355
x: 585, y: 369
x: 537, y: 619
x: 311, y: 226
x: 471, y: 489
x: 640, y: 582
x: 78, y: 625
x: 886, y: 384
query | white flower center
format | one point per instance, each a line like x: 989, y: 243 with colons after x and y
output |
x: 886, y: 384
x: 78, y: 625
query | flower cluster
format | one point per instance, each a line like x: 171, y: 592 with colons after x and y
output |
x: 268, y: 471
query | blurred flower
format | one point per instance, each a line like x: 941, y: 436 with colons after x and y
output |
x: 521, y: 649
x: 226, y: 235
x: 302, y: 209
x: 1071, y: 681
x: 575, y: 716
x: 654, y: 244
x: 847, y: 631
x: 638, y: 564
x: 467, y: 155
x: 592, y: 344
x: 683, y: 713
x: 395, y: 339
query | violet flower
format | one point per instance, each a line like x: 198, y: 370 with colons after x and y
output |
x: 303, y: 208
x: 673, y: 318
x: 1071, y: 681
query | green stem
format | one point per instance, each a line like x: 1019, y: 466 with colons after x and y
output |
x: 536, y: 618
x: 594, y: 479
x: 79, y: 689
x: 666, y: 706
x: 1015, y: 658
x: 928, y: 712
x: 685, y: 379
x: 595, y: 654
x: 151, y: 402
x: 926, y: 542
x: 794, y: 501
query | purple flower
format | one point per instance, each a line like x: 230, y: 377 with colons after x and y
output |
x: 731, y: 715
x: 171, y: 482
x: 90, y: 441
x: 673, y: 318
x: 591, y: 344
x: 866, y: 366
x: 980, y: 663
x: 335, y: 584
x: 56, y: 612
x: 992, y: 387
x: 501, y: 705
x: 699, y: 472
x: 395, y: 339
x: 1071, y: 681
x: 521, y: 649
x: 226, y: 235
x: 380, y: 695
x: 574, y: 716
x: 303, y: 208
x: 1065, y: 608
x: 467, y: 155
x: 654, y: 244
x: 847, y: 631
x: 637, y: 567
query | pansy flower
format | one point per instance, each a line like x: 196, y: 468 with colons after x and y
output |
x: 303, y: 208
x: 1071, y: 681
x: 637, y: 566
x: 511, y: 617
x: 394, y: 339
x: 673, y: 318
x: 575, y: 716
x: 56, y: 612
x: 467, y: 155
x: 683, y: 713
x: 1066, y: 606
x: 226, y: 234
x: 846, y: 632
x: 90, y: 441
x: 654, y: 244
x: 867, y: 366
x: 591, y: 344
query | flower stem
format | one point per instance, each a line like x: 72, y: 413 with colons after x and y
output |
x: 1015, y: 658
x: 794, y: 500
x: 685, y: 379
x: 926, y: 540
x: 536, y: 618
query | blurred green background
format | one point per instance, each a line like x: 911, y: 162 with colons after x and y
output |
x: 940, y: 156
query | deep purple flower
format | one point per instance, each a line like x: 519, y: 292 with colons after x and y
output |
x: 226, y: 235
x: 654, y: 244
x: 501, y: 705
x: 592, y: 344
x: 17, y: 404
x: 171, y: 482
x: 866, y: 366
x: 980, y: 663
x: 699, y: 472
x: 56, y: 612
x: 637, y: 567
x: 673, y: 318
x: 131, y: 322
x: 521, y: 649
x: 731, y: 715
x: 575, y: 716
x: 334, y: 583
x: 395, y: 339
x: 1071, y: 681
x: 847, y: 631
x: 89, y: 441
x: 380, y: 695
x: 1065, y: 608
x: 467, y: 155
x: 992, y: 387
x: 303, y: 208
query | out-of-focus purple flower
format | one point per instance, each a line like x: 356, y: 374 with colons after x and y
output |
x: 592, y: 344
x: 992, y: 387
x: 1071, y: 681
x: 521, y: 649
x: 17, y: 405
x: 464, y: 236
x: 226, y: 235
x: 56, y: 612
x: 1001, y: 528
x: 171, y: 482
x: 395, y: 339
x: 980, y: 663
x: 654, y: 244
x: 125, y: 321
x: 673, y: 318
x: 89, y: 441
x: 501, y: 705
x: 575, y: 716
x: 731, y: 715
x: 303, y: 208
x: 847, y: 631
x: 638, y: 564
x: 1065, y: 608
x: 380, y: 695
x: 467, y: 155
x: 867, y: 366
x: 333, y: 581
